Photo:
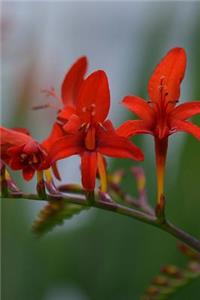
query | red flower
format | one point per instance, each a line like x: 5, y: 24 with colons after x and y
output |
x: 21, y: 152
x: 69, y: 90
x: 89, y: 134
x: 71, y: 86
x: 160, y: 116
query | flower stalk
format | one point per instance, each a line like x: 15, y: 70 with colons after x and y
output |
x: 161, y: 154
x: 113, y: 206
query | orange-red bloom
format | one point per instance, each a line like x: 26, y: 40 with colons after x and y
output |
x: 21, y: 152
x: 69, y: 90
x: 160, y: 116
x: 71, y: 86
x: 89, y: 134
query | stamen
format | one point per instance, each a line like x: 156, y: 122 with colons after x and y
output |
x: 101, y: 125
x: 51, y: 93
x: 23, y: 156
x: 35, y: 159
x: 90, y: 109
x: 87, y: 127
x: 48, y: 105
x: 93, y: 109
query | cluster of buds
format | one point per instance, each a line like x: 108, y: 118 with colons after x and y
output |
x: 172, y: 277
x: 82, y: 128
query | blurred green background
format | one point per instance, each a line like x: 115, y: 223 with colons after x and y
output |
x: 97, y: 255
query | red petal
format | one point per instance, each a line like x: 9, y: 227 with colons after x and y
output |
x: 186, y: 110
x: 113, y: 145
x: 28, y: 173
x: 187, y: 127
x: 107, y: 126
x: 15, y: 151
x: 94, y: 99
x: 55, y: 134
x: 32, y: 147
x: 22, y: 130
x: 65, y: 113
x: 169, y: 72
x: 73, y: 124
x: 12, y: 137
x: 15, y: 163
x: 65, y: 146
x: 140, y: 107
x: 72, y: 81
x: 89, y: 169
x: 133, y: 127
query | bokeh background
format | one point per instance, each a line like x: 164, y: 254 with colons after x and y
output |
x: 96, y: 255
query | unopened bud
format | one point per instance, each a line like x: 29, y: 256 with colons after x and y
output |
x: 172, y: 270
x: 139, y: 175
x: 116, y: 177
x: 153, y: 290
x: 160, y: 280
x: 104, y: 197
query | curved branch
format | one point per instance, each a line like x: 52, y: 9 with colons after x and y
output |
x: 110, y: 205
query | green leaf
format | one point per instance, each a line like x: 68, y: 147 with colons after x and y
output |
x: 53, y: 214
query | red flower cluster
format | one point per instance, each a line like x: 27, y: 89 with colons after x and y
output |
x: 82, y: 126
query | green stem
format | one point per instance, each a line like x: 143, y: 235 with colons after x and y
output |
x: 124, y: 210
x: 181, y: 235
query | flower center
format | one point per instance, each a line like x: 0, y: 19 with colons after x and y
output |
x: 91, y: 109
x: 31, y: 160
